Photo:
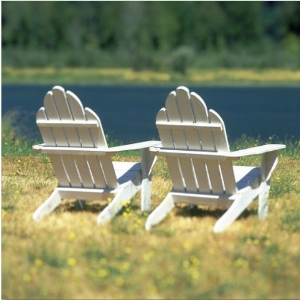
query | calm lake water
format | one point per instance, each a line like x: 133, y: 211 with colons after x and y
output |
x: 128, y: 113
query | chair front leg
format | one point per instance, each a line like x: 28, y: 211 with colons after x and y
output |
x: 148, y: 161
x: 48, y: 206
x: 237, y: 207
x: 160, y: 212
x: 263, y: 200
x: 124, y: 194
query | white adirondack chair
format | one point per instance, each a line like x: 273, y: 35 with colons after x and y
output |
x: 195, y: 145
x: 75, y: 142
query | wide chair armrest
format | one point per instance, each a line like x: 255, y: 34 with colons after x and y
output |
x: 221, y: 155
x: 256, y: 150
x: 134, y: 146
x: 42, y: 148
x: 269, y: 157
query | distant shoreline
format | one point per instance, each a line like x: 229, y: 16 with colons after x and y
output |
x: 109, y: 76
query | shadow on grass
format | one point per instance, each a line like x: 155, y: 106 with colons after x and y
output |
x: 82, y: 205
x: 216, y: 213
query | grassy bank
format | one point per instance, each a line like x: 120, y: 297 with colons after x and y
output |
x: 128, y: 76
x: 67, y: 255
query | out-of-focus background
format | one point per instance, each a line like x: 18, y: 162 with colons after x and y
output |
x: 136, y: 52
x: 155, y: 35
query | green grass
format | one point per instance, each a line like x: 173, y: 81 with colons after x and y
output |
x: 67, y: 256
x: 193, y: 76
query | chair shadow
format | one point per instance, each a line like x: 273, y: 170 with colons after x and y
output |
x: 79, y: 206
x: 216, y: 213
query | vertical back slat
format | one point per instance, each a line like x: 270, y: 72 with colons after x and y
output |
x: 78, y: 114
x: 184, y: 166
x: 52, y: 114
x: 175, y: 173
x: 164, y: 134
x: 64, y: 114
x: 96, y: 133
x: 71, y: 169
x: 84, y: 171
x: 201, y: 115
x: 46, y: 132
x: 109, y: 172
x: 96, y: 171
x: 174, y: 116
x: 228, y: 176
x: 215, y: 176
x: 220, y: 138
x: 187, y: 116
x: 202, y: 175
x: 166, y: 138
x: 59, y: 169
x: 187, y: 171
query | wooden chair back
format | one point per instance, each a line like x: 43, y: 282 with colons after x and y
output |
x: 186, y: 124
x: 63, y: 122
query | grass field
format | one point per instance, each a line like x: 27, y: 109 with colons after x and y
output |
x: 129, y: 76
x: 67, y: 256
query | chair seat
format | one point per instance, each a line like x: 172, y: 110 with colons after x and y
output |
x: 125, y: 171
x: 246, y: 176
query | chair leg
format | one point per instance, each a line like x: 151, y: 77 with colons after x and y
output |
x: 125, y: 194
x: 48, y: 206
x: 235, y: 210
x: 148, y: 162
x: 263, y: 200
x: 146, y: 195
x: 160, y: 212
x: 80, y: 204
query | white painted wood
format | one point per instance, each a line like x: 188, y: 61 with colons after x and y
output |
x: 52, y: 114
x: 83, y: 169
x: 48, y: 206
x: 201, y: 117
x: 67, y: 123
x: 46, y: 132
x: 220, y: 137
x: 65, y: 114
x: 96, y: 171
x: 200, y: 169
x: 76, y: 144
x: 78, y: 114
x: 190, y: 126
x: 97, y: 135
x: 227, y: 172
x: 215, y: 178
x: 263, y: 200
x: 246, y: 196
x: 217, y: 200
x: 148, y: 162
x: 160, y: 212
x: 194, y: 142
x: 60, y: 171
x: 166, y: 136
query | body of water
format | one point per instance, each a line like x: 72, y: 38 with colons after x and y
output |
x: 128, y: 113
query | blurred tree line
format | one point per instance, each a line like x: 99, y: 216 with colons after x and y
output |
x: 151, y: 34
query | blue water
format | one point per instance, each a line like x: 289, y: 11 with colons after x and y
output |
x: 128, y: 113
